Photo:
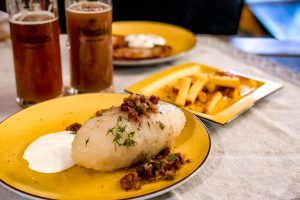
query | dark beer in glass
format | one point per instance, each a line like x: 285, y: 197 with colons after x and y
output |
x: 89, y: 35
x: 36, y: 53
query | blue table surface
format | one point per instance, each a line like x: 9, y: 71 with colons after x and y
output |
x: 280, y: 18
x: 292, y: 63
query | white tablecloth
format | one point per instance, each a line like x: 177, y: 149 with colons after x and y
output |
x: 256, y: 156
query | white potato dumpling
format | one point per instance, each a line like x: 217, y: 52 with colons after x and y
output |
x: 110, y: 142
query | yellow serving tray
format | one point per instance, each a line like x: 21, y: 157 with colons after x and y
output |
x: 155, y: 84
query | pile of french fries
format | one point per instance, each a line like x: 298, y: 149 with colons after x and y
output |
x: 202, y: 92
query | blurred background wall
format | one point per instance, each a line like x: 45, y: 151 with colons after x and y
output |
x: 272, y: 18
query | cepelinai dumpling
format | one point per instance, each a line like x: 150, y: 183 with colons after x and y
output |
x: 118, y: 137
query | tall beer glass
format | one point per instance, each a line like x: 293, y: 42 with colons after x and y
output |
x: 34, y: 33
x: 89, y: 35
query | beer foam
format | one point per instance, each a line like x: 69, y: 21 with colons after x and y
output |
x: 88, y: 7
x: 25, y: 18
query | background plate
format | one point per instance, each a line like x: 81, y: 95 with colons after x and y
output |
x: 180, y: 39
x: 19, y: 130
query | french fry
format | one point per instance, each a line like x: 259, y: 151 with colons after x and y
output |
x: 202, y: 97
x: 184, y: 87
x: 201, y: 75
x: 195, y: 89
x: 168, y: 88
x: 225, y: 81
x: 175, y: 89
x: 195, y: 107
x: 211, y: 104
x: 236, y: 93
x: 211, y: 87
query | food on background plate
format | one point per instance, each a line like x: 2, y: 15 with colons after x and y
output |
x: 208, y: 93
x: 141, y: 130
x: 139, y: 46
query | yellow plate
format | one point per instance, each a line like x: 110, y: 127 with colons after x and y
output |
x: 155, y: 85
x: 180, y: 39
x: 19, y: 130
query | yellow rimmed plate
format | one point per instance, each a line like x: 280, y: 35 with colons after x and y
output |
x: 155, y: 85
x: 19, y: 130
x: 180, y: 39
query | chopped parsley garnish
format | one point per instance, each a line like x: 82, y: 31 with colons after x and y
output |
x: 128, y: 142
x: 148, y: 125
x: 117, y: 138
x: 161, y: 125
x: 110, y: 130
x: 119, y: 119
x: 139, y: 126
x: 122, y: 137
x: 145, y: 157
x: 131, y: 134
x: 87, y: 141
x: 121, y: 128
x: 170, y: 178
x: 172, y: 157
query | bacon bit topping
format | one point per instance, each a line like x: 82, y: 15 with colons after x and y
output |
x: 74, y: 127
x: 139, y: 105
x: 99, y: 113
x: 163, y: 166
x: 131, y: 181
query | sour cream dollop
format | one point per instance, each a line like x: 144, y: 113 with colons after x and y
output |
x: 144, y: 40
x: 50, y: 153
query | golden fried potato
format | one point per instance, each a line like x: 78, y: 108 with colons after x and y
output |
x: 211, y: 87
x: 195, y: 89
x: 184, y: 88
x: 202, y: 97
x: 211, y: 104
x: 225, y: 81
